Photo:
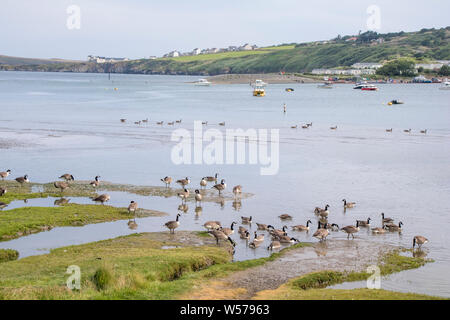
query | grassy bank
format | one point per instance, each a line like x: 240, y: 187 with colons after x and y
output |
x: 23, y: 221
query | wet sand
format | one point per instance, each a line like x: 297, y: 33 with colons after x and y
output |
x: 335, y: 255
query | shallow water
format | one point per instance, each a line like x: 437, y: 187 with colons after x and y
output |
x: 59, y: 123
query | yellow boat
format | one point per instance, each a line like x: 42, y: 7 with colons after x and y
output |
x: 258, y: 88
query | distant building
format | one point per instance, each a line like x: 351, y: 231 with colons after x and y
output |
x: 366, y: 65
x: 153, y: 57
x: 352, y: 39
x: 346, y: 72
x: 246, y: 47
x: 172, y: 54
x: 98, y: 59
x: 196, y: 52
x: 429, y: 66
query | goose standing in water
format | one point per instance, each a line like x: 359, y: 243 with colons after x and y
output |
x: 96, y: 182
x: 229, y: 231
x: 394, y: 227
x: 203, y: 183
x: 407, y: 131
x: 423, y: 131
x: 198, y: 197
x: 351, y: 230
x: 167, y: 181
x: 67, y: 177
x: 245, y: 235
x: 183, y: 195
x: 262, y: 226
x: 5, y: 174
x: 420, y: 240
x: 237, y: 190
x: 172, y: 225
x: 318, y: 210
x: 212, y: 225
x: 285, y: 217
x: 321, y: 233
x: 386, y: 220
x: 275, y: 244
x: 219, y: 235
x: 302, y: 227
x: 258, y: 237
x: 333, y: 128
x: 212, y: 179
x: 364, y: 223
x: 221, y: 186
x: 102, y: 198
x: 183, y: 182
x: 247, y: 220
x: 348, y: 205
x: 378, y: 230
x: 389, y: 130
x: 23, y: 179
x: 277, y: 232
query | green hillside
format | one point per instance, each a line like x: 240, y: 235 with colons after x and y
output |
x: 422, y: 46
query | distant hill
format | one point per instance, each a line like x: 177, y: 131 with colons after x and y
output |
x: 423, y: 46
x: 18, y: 61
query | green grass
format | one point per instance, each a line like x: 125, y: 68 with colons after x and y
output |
x: 22, y: 221
x: 8, y: 255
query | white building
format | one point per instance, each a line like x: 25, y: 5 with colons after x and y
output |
x: 98, y: 59
x: 172, y: 54
x: 196, y: 52
x: 366, y: 65
x: 346, y: 72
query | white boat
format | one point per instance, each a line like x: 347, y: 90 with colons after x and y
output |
x: 258, y: 88
x: 202, y: 82
x: 326, y: 85
x: 445, y: 85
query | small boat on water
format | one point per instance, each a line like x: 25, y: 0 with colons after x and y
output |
x: 258, y: 88
x: 445, y: 85
x: 326, y: 85
x: 369, y: 87
x: 202, y: 82
x: 289, y: 89
x: 390, y: 103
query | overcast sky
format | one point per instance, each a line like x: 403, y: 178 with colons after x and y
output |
x: 138, y: 28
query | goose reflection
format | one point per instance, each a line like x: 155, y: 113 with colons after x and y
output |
x: 198, y: 212
x: 132, y: 224
x: 61, y: 201
x: 183, y: 207
x: 237, y: 205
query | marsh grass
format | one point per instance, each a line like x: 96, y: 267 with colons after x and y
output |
x: 8, y: 255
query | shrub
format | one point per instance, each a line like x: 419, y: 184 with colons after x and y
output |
x: 8, y: 255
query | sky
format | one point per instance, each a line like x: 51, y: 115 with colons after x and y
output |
x: 139, y: 29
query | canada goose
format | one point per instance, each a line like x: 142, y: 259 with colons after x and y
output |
x: 170, y: 123
x: 212, y: 179
x: 277, y: 232
x: 132, y: 207
x: 419, y: 240
x: 287, y: 239
x: 237, y: 190
x: 219, y: 235
x: 261, y: 226
x: 348, y: 205
x: 167, y: 180
x: 145, y: 120
x: 221, y: 186
x: 285, y: 217
x: 394, y: 227
x: 364, y: 223
x: 275, y: 244
x: 221, y: 123
x: 321, y: 233
x: 407, y: 131
x: 317, y: 210
x: 183, y: 195
x: 96, y: 182
x: 102, y: 198
x: 183, y: 182
x: 205, y: 123
x: 137, y: 122
x: 198, y: 196
x: 386, y: 220
x: 203, y: 183
x: 309, y: 124
x: 333, y: 128
x: 332, y: 227
x: 172, y: 225
x: 254, y: 244
x: 389, y: 130
x: 302, y: 227
x: 378, y: 230
x: 294, y: 127
x: 423, y: 131
x: 67, y: 177
x: 61, y: 185
x: 242, y: 230
x: 23, y: 179
x: 212, y: 225
x: 159, y: 122
x: 305, y: 126
x: 3, y: 191
x: 246, y: 220
x: 350, y: 230
x: 4, y: 174
x: 3, y: 205
x: 123, y: 120
x: 229, y: 231
x: 245, y: 235
x: 258, y: 237
x: 178, y: 121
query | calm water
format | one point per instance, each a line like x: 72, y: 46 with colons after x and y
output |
x: 57, y: 123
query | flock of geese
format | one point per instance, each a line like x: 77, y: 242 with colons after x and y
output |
x: 308, y: 125
x: 169, y: 123
x: 220, y: 233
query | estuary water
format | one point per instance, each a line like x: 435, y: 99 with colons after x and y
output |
x: 53, y: 123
